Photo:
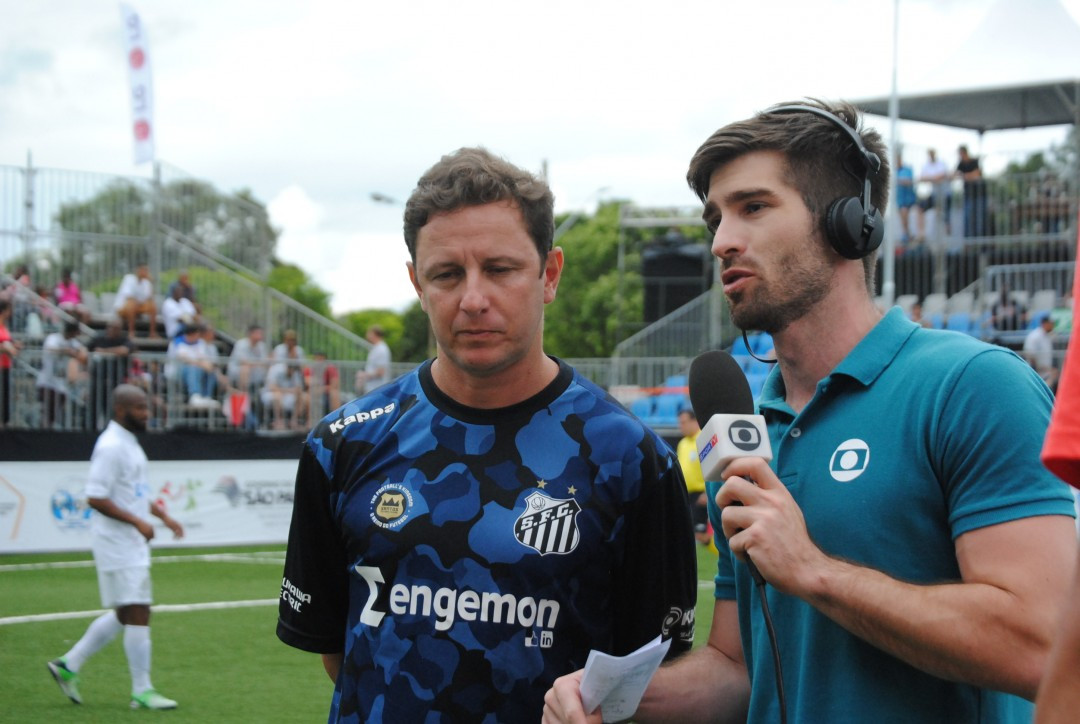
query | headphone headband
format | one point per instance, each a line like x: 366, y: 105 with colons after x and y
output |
x: 869, y: 159
x: 854, y: 226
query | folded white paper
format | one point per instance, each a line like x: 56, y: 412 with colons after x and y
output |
x: 617, y: 683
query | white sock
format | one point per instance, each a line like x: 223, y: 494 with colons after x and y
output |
x: 137, y: 648
x: 103, y: 630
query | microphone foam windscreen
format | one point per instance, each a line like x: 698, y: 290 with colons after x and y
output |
x: 718, y: 385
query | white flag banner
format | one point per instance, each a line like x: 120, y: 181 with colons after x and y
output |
x: 142, y: 97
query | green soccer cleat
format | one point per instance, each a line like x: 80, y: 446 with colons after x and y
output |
x: 150, y: 699
x: 66, y: 679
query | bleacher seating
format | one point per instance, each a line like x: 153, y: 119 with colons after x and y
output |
x: 106, y: 301
x: 934, y: 304
x: 642, y: 407
x: 756, y: 381
x: 962, y: 322
x: 960, y: 303
x: 906, y: 301
x: 1042, y: 300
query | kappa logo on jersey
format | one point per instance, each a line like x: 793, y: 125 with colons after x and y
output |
x: 849, y: 460
x: 548, y: 524
x: 339, y: 425
x: 390, y: 505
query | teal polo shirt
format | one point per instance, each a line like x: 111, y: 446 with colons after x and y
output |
x: 917, y: 437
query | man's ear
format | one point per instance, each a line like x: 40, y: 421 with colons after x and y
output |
x: 552, y: 273
x: 416, y: 284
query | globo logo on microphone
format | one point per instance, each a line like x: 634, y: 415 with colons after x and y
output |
x: 744, y: 435
x: 726, y: 437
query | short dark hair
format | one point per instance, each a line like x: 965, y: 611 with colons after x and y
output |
x: 688, y: 412
x: 821, y: 159
x: 474, y: 177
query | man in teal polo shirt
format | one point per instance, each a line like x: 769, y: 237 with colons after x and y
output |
x: 916, y: 552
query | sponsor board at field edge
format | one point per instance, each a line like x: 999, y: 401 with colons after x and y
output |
x: 43, y: 506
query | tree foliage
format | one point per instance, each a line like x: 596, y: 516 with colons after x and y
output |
x: 292, y: 281
x: 417, y: 342
x: 393, y: 325
x: 583, y: 319
x: 113, y: 226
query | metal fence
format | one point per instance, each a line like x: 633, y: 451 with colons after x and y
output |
x: 75, y: 395
x: 101, y: 226
x: 1016, y: 230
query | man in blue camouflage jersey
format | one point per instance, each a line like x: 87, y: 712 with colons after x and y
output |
x: 467, y: 533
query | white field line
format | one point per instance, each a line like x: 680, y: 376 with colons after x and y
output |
x: 266, y: 557
x: 167, y: 608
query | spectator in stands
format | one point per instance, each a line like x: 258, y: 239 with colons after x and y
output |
x: 905, y: 201
x: 1062, y: 314
x: 62, y: 376
x: 9, y: 349
x: 1039, y: 349
x: 283, y: 394
x: 18, y: 291
x: 68, y: 297
x: 177, y: 312
x: 195, y: 368
x: 974, y: 193
x: 691, y: 470
x: 935, y: 173
x: 8, y: 288
x: 187, y: 289
x: 1007, y: 314
x: 248, y: 361
x: 288, y: 349
x: 209, y: 338
x: 323, y: 382
x: 110, y: 362
x: 42, y: 316
x: 135, y: 297
x: 376, y: 372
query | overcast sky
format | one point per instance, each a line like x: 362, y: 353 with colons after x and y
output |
x: 315, y: 105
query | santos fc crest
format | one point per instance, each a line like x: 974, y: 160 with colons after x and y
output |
x: 548, y: 525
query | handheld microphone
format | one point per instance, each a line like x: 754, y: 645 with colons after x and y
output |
x: 720, y: 394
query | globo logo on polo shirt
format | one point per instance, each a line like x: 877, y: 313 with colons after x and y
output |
x: 849, y: 460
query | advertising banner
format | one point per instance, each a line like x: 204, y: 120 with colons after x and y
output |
x: 219, y: 502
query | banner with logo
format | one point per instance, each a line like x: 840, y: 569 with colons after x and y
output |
x: 142, y: 106
x: 219, y: 502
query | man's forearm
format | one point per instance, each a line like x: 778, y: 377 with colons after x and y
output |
x: 109, y: 509
x: 973, y: 632
x: 702, y: 685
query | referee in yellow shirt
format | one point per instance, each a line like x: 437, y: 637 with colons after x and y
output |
x: 691, y: 469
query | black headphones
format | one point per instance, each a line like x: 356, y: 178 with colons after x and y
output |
x: 852, y: 224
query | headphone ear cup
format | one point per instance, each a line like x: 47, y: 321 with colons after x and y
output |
x: 844, y: 226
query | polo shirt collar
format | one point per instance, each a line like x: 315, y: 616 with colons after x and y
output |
x: 864, y: 363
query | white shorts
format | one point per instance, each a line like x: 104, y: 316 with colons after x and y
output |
x: 125, y: 586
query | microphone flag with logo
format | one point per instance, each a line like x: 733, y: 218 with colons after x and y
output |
x: 722, y: 401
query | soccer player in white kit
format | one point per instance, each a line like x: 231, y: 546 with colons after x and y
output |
x: 118, y: 490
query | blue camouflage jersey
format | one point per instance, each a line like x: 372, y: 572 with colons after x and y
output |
x: 463, y: 559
